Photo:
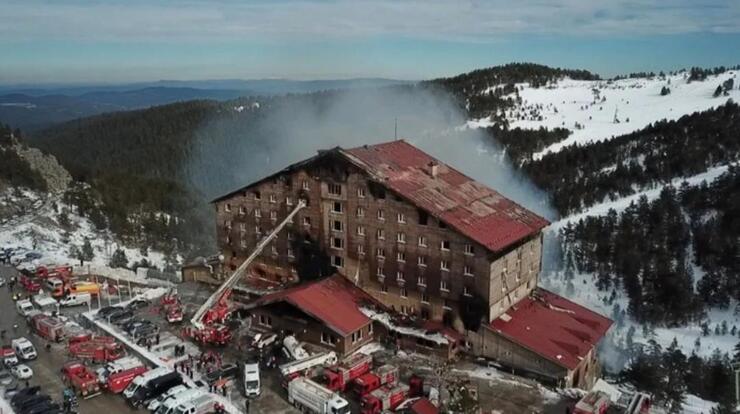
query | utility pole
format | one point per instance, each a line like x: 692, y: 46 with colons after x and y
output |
x: 736, y: 368
x: 395, y: 129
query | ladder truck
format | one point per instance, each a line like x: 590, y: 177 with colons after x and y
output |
x: 208, y: 321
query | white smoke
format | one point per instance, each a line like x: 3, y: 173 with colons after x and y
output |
x: 236, y: 150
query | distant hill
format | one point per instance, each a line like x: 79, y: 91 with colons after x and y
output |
x: 33, y: 108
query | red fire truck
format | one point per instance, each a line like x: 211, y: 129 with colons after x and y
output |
x: 338, y: 377
x: 384, y: 399
x: 118, y: 382
x: 49, y: 328
x: 97, y: 349
x: 79, y: 377
x: 383, y: 375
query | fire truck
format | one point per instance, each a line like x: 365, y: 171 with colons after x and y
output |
x: 30, y: 284
x: 49, y: 328
x: 384, y: 375
x: 80, y: 378
x: 209, y: 320
x: 294, y: 369
x: 118, y: 382
x: 338, y: 377
x: 384, y: 399
x: 97, y: 349
x: 45, y: 272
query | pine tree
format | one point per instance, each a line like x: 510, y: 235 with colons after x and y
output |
x: 718, y: 91
x: 119, y: 259
x: 86, y: 253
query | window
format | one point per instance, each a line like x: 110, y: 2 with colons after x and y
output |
x: 327, y: 339
x: 243, y: 244
x: 370, y: 328
x: 291, y: 235
x: 228, y: 241
x: 227, y: 224
x: 273, y: 215
x: 421, y: 261
x: 401, y: 218
x: 380, y: 252
x: 257, y: 230
x: 444, y: 245
x: 379, y: 271
x: 468, y: 270
x: 307, y: 221
x: 288, y: 201
x: 337, y: 225
x: 383, y: 288
x: 422, y: 241
x: 265, y: 320
x: 400, y: 276
x: 444, y: 265
x: 404, y: 292
x: 423, y: 218
x: 424, y: 297
x: 401, y: 256
x: 360, y: 230
x: 381, y: 234
x: 469, y: 250
x: 290, y: 252
x: 337, y: 207
x: 227, y: 207
x: 305, y: 186
x: 361, y: 249
x: 443, y: 286
x: 421, y: 281
x: 447, y: 305
x: 467, y: 291
x: 337, y: 243
x: 242, y: 210
x: 401, y: 237
x: 403, y: 310
x: 242, y: 227
x: 360, y: 192
x: 273, y: 250
x: 335, y: 189
x: 337, y: 261
x: 360, y: 212
x: 257, y: 213
x: 381, y: 215
x: 273, y: 199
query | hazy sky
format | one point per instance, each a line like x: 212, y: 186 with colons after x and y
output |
x: 140, y: 40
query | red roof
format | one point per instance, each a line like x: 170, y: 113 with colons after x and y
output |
x: 553, y: 327
x: 471, y: 208
x: 334, y: 301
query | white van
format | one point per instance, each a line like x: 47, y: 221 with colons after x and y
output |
x: 119, y: 365
x: 200, y: 405
x: 24, y: 307
x: 76, y: 299
x: 54, y: 283
x: 24, y: 348
x: 171, y: 393
x: 252, y: 386
x: 169, y: 406
x: 143, y: 379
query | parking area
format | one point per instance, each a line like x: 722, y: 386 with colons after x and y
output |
x: 46, y: 368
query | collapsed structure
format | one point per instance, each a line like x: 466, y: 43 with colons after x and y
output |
x: 421, y: 240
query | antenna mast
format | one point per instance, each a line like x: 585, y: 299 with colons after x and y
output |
x: 395, y: 130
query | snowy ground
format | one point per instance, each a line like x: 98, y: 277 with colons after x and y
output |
x: 39, y: 230
x: 635, y: 102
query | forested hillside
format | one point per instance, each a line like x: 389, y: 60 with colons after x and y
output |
x: 579, y: 176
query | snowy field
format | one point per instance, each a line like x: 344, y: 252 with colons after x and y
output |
x: 594, y: 105
x: 39, y: 230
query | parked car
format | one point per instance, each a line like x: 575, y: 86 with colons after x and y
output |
x: 227, y: 372
x: 6, y: 378
x: 137, y: 304
x: 121, y: 318
x: 134, y: 324
x: 145, y: 331
x: 107, y: 310
x: 22, y: 371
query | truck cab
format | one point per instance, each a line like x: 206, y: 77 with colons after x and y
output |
x: 252, y: 384
x: 24, y: 307
x: 76, y: 299
x: 24, y: 349
x: 142, y: 380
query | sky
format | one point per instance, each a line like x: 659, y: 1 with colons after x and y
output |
x: 117, y: 41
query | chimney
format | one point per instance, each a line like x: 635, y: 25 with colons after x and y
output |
x: 433, y: 168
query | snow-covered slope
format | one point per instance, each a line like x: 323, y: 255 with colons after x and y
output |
x: 594, y: 105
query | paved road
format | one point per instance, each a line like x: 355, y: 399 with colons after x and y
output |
x: 46, y: 367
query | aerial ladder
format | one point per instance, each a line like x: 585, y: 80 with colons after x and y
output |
x: 208, y: 321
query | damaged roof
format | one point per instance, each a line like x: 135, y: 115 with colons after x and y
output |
x: 553, y: 327
x: 334, y: 301
x: 473, y: 209
x: 464, y: 204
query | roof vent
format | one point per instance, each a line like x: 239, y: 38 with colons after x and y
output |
x: 433, y: 168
